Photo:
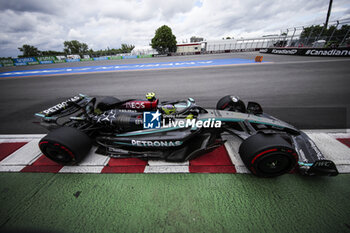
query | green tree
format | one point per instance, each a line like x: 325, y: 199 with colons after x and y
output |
x: 315, y: 31
x: 52, y: 53
x: 126, y: 48
x: 164, y: 41
x: 29, y: 51
x: 75, y: 47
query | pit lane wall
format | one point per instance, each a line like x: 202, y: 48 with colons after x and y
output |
x: 321, y: 52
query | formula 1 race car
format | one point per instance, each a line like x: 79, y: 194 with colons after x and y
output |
x: 177, y: 131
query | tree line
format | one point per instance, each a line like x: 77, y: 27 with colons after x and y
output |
x: 74, y: 47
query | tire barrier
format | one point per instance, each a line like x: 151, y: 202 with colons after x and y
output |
x: 258, y: 58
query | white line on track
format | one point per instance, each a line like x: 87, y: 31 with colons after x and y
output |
x: 331, y: 148
x: 232, y: 145
x: 93, y: 159
x: 81, y: 169
x: 167, y: 169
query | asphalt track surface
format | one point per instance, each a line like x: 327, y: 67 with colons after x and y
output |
x: 309, y: 92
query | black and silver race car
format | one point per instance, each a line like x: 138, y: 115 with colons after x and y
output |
x: 177, y: 131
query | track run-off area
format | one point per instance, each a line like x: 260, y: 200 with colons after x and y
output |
x: 127, y: 67
x: 311, y: 93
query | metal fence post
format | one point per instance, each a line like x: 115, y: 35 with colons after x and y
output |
x: 344, y: 38
x: 298, y: 43
x: 308, y: 38
x: 285, y: 38
x: 291, y: 39
x: 319, y: 35
x: 330, y: 38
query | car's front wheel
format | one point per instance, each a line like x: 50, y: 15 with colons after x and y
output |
x: 268, y: 155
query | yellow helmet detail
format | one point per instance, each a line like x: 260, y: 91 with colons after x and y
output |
x: 168, y: 109
x: 150, y: 96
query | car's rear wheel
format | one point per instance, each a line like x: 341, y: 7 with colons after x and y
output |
x: 65, y: 145
x: 268, y: 155
x: 107, y: 103
x: 231, y: 103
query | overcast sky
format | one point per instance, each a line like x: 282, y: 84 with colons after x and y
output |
x: 46, y: 24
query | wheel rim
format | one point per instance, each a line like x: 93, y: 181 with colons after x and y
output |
x: 57, y: 152
x: 275, y: 163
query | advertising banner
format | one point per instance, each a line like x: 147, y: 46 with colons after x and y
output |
x: 86, y: 59
x: 144, y: 56
x: 46, y: 62
x: 33, y: 63
x: 25, y: 60
x: 130, y: 57
x: 116, y: 57
x: 59, y: 61
x: 46, y: 58
x: 100, y: 58
x: 21, y: 63
x: 72, y: 60
x: 326, y: 52
x: 6, y: 62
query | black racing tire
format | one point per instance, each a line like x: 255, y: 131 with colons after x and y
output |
x: 268, y: 155
x: 226, y: 103
x: 107, y: 102
x: 65, y: 145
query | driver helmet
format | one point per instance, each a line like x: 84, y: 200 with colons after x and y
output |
x: 151, y: 96
x: 168, y: 109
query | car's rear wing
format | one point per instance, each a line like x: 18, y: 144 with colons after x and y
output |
x: 66, y: 107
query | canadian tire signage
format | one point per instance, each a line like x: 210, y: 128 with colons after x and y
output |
x: 328, y: 52
x: 323, y: 52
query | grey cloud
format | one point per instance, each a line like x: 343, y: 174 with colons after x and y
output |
x: 49, y: 7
